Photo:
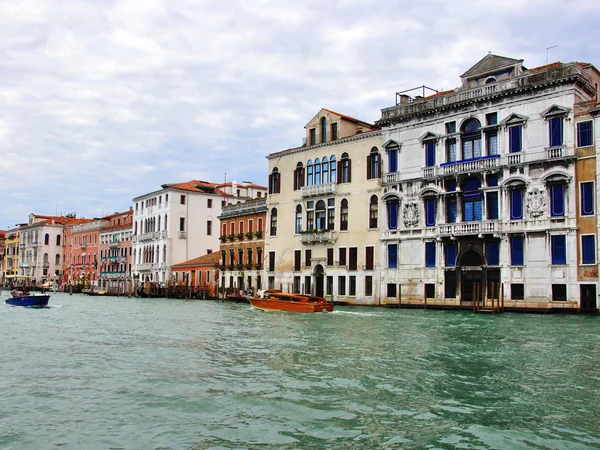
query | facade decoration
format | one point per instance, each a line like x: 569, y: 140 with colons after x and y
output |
x: 536, y: 202
x: 410, y: 213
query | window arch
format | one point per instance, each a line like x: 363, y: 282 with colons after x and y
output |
x: 373, y: 164
x: 273, y: 231
x: 344, y: 215
x: 471, y: 139
x: 323, y: 129
x: 317, y: 171
x: 325, y: 168
x: 309, y: 172
x: 274, y: 181
x: 299, y: 176
x: 298, y: 225
x: 345, y: 169
x: 373, y: 211
x: 320, y: 215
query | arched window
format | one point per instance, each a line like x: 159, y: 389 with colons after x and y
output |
x: 373, y: 211
x: 298, y: 176
x: 166, y: 223
x: 392, y: 210
x: 345, y: 169
x: 273, y: 231
x: 274, y: 181
x: 46, y: 259
x: 158, y: 228
x: 58, y: 239
x: 344, y: 215
x: 165, y: 253
x: 320, y: 215
x: 373, y: 164
x: 471, y: 139
x: 323, y: 130
x: 333, y: 169
x: 472, y: 200
x: 309, y: 173
x: 46, y: 239
x: 317, y: 171
x: 325, y: 166
x: 157, y: 256
x: 57, y: 260
x: 298, y: 224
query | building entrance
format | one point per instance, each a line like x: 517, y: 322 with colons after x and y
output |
x: 471, y: 272
x: 588, y: 297
x: 319, y: 280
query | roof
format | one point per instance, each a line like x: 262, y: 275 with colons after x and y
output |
x: 192, y: 185
x: 345, y: 117
x: 490, y: 63
x: 211, y: 260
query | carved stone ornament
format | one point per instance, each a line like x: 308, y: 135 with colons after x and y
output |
x: 536, y: 202
x: 410, y: 214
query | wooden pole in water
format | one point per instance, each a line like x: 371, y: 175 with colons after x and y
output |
x: 399, y: 296
x: 502, y: 296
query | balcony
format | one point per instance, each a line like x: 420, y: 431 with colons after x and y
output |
x: 318, y: 189
x: 114, y: 244
x: 144, y: 267
x: 466, y: 228
x: 153, y: 235
x: 470, y: 165
x: 318, y: 237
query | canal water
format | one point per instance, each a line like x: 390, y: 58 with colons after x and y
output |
x: 124, y: 373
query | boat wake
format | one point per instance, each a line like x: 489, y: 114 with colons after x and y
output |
x: 355, y: 313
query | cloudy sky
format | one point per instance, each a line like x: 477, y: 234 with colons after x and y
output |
x: 105, y: 100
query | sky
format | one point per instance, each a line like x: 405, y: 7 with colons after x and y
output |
x: 102, y: 101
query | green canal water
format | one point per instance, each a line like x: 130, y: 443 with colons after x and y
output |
x: 124, y: 373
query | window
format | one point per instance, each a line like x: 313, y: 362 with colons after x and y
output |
x: 298, y: 176
x: 312, y: 136
x: 342, y: 256
x: 585, y: 136
x: 492, y: 143
x: 330, y: 256
x: 368, y: 286
x: 317, y: 168
x: 391, y: 290
x: 259, y: 259
x: 330, y: 213
x: 352, y: 258
x: 323, y: 129
x: 369, y: 257
x: 392, y: 207
x: 334, y: 131
x: 341, y: 285
x: 517, y: 291
x: 309, y: 173
x: 493, y: 253
x: 310, y: 215
x: 182, y: 200
x: 472, y: 200
x: 373, y: 211
x: 429, y: 290
x: 298, y: 227
x: 451, y: 209
x: 345, y: 169
x: 588, y: 249
x: 555, y: 129
x: 492, y: 205
x: 344, y: 215
x: 516, y: 251
x: 430, y: 153
x: 241, y: 227
x: 429, y: 254
x: 332, y: 169
x: 307, y: 257
x: 516, y: 204
x: 557, y: 200
x: 182, y: 224
x: 325, y: 170
x: 250, y: 226
x: 515, y: 139
x: 296, y: 288
x: 271, y: 261
x: 273, y: 222
x: 450, y: 254
x: 559, y: 292
x: 352, y: 288
x: 393, y: 160
x: 274, y: 182
x: 240, y: 257
x: 250, y: 261
x: 209, y: 227
x: 260, y: 224
x: 451, y: 150
x: 320, y: 215
x: 430, y: 211
x: 392, y: 256
x: 587, y: 198
x: 373, y: 164
x: 559, y: 249
x: 491, y: 119
x: 58, y: 239
x: 208, y: 202
x: 471, y: 139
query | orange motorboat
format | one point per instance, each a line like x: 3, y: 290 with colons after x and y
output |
x: 274, y: 300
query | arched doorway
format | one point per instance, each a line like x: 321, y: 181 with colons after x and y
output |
x: 319, y: 280
x: 471, y: 272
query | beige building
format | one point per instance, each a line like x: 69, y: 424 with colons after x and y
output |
x: 322, y: 233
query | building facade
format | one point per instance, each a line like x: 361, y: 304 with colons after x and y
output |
x: 116, y: 253
x: 83, y: 257
x: 242, y: 246
x: 11, y: 257
x: 487, y: 190
x: 200, y: 276
x: 323, y: 212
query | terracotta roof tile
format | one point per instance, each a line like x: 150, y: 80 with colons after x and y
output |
x: 547, y: 66
x: 212, y: 259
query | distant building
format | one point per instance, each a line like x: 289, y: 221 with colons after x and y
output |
x: 2, y: 257
x: 177, y: 223
x: 492, y: 185
x: 200, y: 274
x: 116, y: 253
x: 11, y: 255
x: 83, y: 261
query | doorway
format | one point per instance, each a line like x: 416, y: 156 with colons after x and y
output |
x: 587, y: 295
x: 319, y: 280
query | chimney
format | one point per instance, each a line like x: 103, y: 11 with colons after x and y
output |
x: 404, y: 99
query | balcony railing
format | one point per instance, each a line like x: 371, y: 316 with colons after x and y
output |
x: 318, y: 189
x: 463, y: 228
x: 471, y: 165
x: 317, y: 237
x: 183, y: 235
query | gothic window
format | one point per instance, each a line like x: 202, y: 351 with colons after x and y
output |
x: 317, y: 171
x: 273, y: 231
x: 345, y: 169
x: 344, y: 215
x: 330, y: 213
x: 325, y: 170
x: 310, y: 215
x: 332, y: 169
x: 373, y: 164
x: 298, y: 227
x: 320, y: 215
x: 298, y: 176
x: 392, y: 210
x: 309, y: 172
x: 274, y: 181
x: 373, y: 212
x: 323, y: 129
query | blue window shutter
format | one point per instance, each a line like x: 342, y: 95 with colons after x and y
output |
x: 393, y: 159
x: 430, y: 154
x: 451, y: 205
x: 468, y: 213
x: 559, y: 249
x: 493, y: 255
x: 450, y: 255
x: 430, y: 212
x: 557, y: 198
x: 516, y: 204
x: 584, y: 134
x: 430, y: 254
x: 478, y: 210
x: 588, y: 249
x: 393, y: 215
x: 393, y: 256
x: 587, y: 198
x: 492, y: 203
x: 556, y: 131
x: 515, y: 139
x: 516, y: 251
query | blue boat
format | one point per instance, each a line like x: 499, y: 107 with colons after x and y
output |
x: 35, y: 301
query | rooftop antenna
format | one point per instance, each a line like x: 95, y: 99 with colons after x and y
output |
x: 548, y: 48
